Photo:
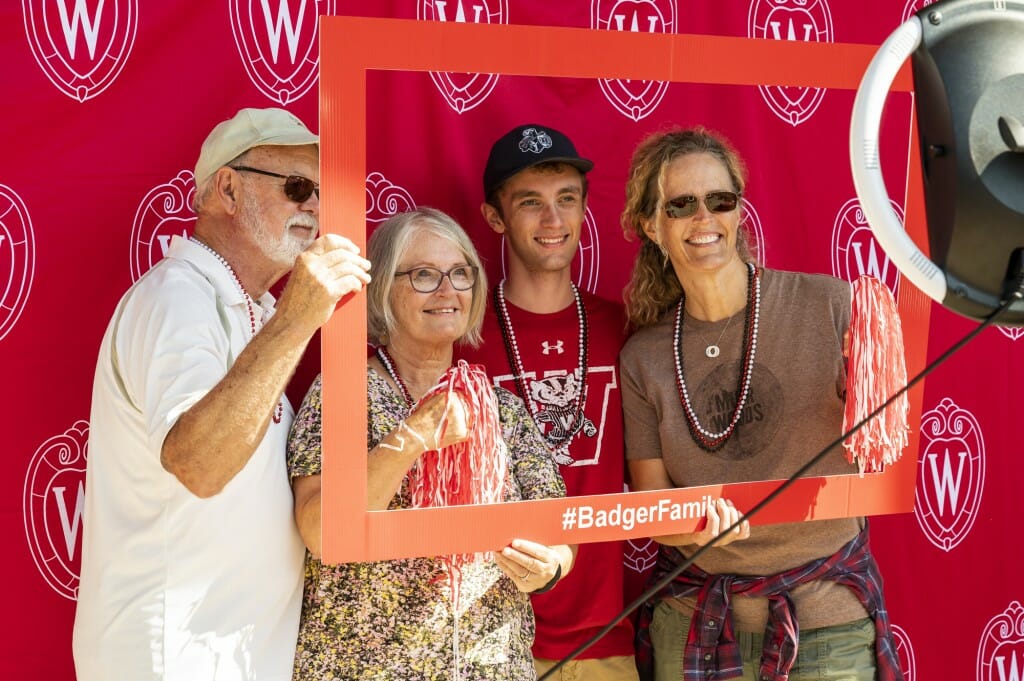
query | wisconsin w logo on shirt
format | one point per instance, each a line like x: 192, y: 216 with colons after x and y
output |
x: 551, y: 398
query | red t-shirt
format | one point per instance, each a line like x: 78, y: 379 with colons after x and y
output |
x: 591, y: 595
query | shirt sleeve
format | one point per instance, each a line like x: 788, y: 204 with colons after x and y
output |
x: 172, y: 346
x: 531, y: 462
x: 640, y: 421
x: 304, y: 452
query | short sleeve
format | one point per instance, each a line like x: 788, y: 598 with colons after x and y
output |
x: 304, y: 453
x: 531, y: 461
x: 640, y: 423
x: 172, y: 345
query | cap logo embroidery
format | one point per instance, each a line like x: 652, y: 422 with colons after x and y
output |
x: 534, y: 141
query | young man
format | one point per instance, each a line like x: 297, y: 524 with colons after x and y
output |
x: 191, y: 562
x: 557, y: 347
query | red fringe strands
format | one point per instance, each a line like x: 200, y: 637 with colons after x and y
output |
x: 876, y: 370
x: 470, y: 472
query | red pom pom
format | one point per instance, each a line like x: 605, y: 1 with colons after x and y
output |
x: 876, y: 370
x: 470, y: 472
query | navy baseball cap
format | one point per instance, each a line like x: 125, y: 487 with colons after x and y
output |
x: 526, y: 146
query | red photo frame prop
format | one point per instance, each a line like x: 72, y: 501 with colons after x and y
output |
x: 349, y: 47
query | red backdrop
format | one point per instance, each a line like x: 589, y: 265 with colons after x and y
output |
x: 107, y: 102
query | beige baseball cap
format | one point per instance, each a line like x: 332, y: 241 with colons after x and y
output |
x: 247, y: 129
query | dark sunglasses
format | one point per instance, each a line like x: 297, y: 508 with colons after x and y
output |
x: 296, y: 187
x: 686, y: 205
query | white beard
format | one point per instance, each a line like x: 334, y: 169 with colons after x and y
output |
x: 282, y: 250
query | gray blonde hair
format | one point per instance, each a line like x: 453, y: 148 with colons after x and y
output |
x: 386, y: 248
x: 653, y: 287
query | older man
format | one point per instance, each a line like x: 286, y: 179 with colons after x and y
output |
x: 191, y: 563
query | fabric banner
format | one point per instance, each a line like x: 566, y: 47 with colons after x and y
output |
x: 107, y: 102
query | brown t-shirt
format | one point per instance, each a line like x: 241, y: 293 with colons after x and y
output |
x: 794, y: 409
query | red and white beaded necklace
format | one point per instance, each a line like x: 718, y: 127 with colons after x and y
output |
x: 704, y: 438
x: 279, y: 409
x: 389, y: 365
x: 515, y: 362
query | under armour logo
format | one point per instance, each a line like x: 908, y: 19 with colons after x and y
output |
x: 548, y: 347
x: 534, y: 140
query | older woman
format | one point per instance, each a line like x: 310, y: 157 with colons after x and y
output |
x: 736, y: 373
x: 393, y: 619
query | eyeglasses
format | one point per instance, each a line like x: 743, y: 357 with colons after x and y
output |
x: 296, y: 187
x: 428, y: 279
x: 686, y: 205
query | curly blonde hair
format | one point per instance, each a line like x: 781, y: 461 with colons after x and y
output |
x: 653, y: 286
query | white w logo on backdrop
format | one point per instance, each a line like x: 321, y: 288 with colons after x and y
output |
x: 263, y: 27
x: 17, y: 258
x: 283, y: 23
x: 855, y: 251
x: 634, y: 99
x: 1001, y: 648
x: 80, y: 17
x: 165, y: 212
x: 53, y: 501
x: 107, y: 32
x: 807, y: 20
x: 463, y: 91
x: 951, y: 474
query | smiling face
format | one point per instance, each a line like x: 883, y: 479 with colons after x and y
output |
x: 704, y: 242
x: 542, y: 212
x: 280, y: 227
x: 436, y: 319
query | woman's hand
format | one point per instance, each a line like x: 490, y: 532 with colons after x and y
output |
x: 439, y: 422
x: 720, y: 517
x: 532, y: 566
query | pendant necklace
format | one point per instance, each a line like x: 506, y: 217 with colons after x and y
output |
x: 713, y: 350
x: 705, y: 439
x: 556, y: 437
x: 279, y: 409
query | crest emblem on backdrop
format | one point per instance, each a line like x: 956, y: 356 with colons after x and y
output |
x: 164, y: 212
x: 912, y: 7
x: 950, y: 474
x: 384, y: 198
x: 53, y: 501
x: 463, y: 91
x: 17, y: 258
x: 855, y: 251
x: 279, y: 42
x: 904, y: 652
x: 1001, y: 648
x: 586, y: 266
x: 752, y: 223
x: 634, y: 99
x: 807, y: 20
x: 640, y: 555
x: 81, y: 46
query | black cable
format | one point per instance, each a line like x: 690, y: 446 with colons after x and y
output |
x: 1016, y: 295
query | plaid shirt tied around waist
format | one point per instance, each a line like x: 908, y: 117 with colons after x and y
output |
x: 712, y: 653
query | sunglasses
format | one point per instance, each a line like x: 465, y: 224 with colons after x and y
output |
x: 428, y: 279
x: 296, y: 187
x: 686, y: 205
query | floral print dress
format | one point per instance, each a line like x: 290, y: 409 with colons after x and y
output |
x: 392, y: 620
